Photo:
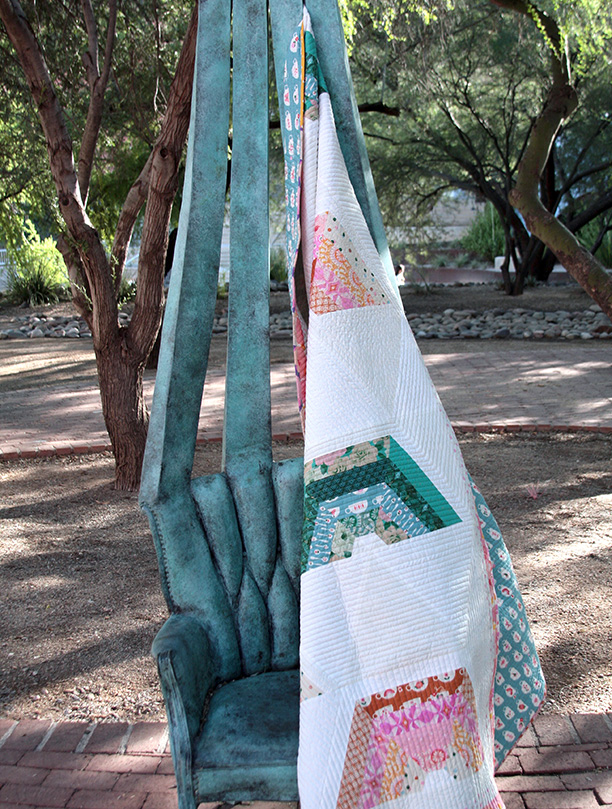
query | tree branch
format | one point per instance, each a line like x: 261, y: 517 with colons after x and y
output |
x: 87, y: 242
x: 78, y: 282
x: 380, y: 137
x: 90, y: 57
x: 135, y: 199
x: 601, y: 205
x: 605, y: 228
x: 561, y: 102
x: 378, y: 106
x: 550, y: 29
x: 574, y: 175
x: 163, y: 166
x: 98, y: 84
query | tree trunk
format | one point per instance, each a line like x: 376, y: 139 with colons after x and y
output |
x: 518, y: 283
x: 545, y: 264
x: 124, y: 410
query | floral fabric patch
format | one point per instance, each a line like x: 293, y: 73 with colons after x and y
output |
x: 373, y: 510
x: 291, y: 116
x: 520, y: 688
x: 340, y: 277
x: 400, y: 736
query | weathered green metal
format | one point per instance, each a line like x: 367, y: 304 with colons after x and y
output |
x: 229, y: 544
x: 247, y: 430
x: 192, y: 295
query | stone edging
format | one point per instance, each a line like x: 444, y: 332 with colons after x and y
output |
x: 53, y: 449
x: 452, y: 324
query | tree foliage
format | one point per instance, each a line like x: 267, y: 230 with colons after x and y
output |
x: 147, y: 42
x: 471, y: 84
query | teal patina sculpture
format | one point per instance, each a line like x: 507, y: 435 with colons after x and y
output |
x: 228, y: 544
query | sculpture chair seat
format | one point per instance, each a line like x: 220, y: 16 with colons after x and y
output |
x: 228, y: 668
x: 249, y: 743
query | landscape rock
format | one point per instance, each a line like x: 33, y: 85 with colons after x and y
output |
x: 451, y: 324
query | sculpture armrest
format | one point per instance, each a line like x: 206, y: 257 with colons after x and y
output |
x: 186, y: 670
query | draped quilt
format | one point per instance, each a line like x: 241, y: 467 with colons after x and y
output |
x: 418, y: 668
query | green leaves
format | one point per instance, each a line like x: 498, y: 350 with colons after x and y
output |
x: 36, y: 270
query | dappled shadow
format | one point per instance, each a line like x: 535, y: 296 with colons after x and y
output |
x: 561, y: 547
x: 117, y: 648
x: 57, y: 374
x: 563, y: 386
x: 81, y: 584
x: 32, y: 363
x: 80, y: 579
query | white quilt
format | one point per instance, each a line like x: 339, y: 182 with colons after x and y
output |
x: 399, y: 614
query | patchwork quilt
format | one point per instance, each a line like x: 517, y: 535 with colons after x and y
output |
x: 418, y: 668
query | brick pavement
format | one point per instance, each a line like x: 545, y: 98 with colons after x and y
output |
x: 562, y: 762
x: 557, y: 385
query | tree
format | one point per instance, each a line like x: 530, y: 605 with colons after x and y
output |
x: 560, y: 103
x: 95, y: 275
x: 470, y: 85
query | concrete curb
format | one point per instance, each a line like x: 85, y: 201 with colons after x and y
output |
x: 57, y: 448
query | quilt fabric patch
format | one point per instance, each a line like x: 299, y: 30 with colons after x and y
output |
x: 340, y: 277
x: 520, y: 688
x: 371, y: 487
x: 432, y: 741
x: 399, y: 737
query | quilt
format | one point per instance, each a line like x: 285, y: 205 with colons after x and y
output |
x: 418, y: 668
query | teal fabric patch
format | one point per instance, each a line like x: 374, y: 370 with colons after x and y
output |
x: 290, y: 118
x: 421, y: 483
x: 314, y: 81
x: 371, y: 463
x: 519, y: 683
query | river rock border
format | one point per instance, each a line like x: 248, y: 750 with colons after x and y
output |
x: 452, y: 324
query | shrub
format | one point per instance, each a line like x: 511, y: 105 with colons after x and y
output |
x: 36, y: 272
x: 127, y: 291
x: 278, y: 264
x: 486, y: 235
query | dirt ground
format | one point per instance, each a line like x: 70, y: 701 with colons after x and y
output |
x: 82, y: 601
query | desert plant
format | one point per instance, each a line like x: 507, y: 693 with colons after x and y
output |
x: 32, y: 286
x: 462, y: 260
x: 486, y: 234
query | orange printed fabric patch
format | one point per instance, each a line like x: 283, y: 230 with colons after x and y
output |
x: 340, y: 278
x: 400, y: 736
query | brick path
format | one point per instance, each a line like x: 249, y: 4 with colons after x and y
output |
x: 562, y: 763
x: 558, y: 385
